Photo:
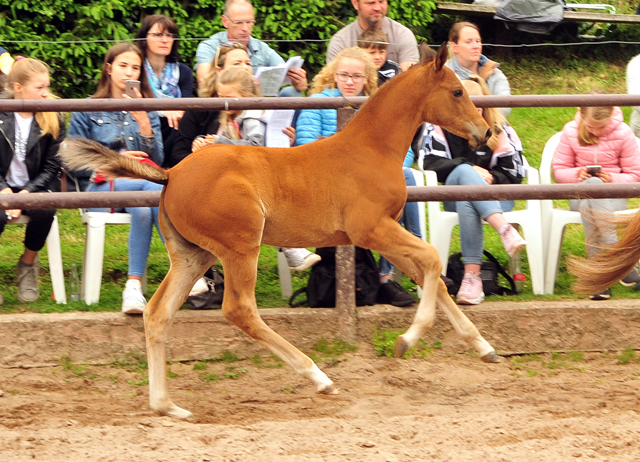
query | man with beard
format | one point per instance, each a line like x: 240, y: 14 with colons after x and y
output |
x: 372, y: 14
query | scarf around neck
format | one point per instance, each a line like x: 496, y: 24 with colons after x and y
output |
x: 165, y: 86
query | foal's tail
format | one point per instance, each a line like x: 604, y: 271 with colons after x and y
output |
x: 610, y: 265
x: 79, y: 153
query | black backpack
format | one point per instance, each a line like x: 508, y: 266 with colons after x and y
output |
x: 488, y: 273
x: 321, y: 289
x: 212, y: 299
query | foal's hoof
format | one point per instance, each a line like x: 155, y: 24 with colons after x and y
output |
x: 491, y: 357
x: 176, y: 413
x: 401, y: 347
x: 329, y: 390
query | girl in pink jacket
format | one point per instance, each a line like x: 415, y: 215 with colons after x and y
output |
x: 598, y: 147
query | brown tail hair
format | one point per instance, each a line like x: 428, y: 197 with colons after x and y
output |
x: 78, y: 153
x: 610, y: 265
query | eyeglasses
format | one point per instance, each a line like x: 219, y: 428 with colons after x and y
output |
x: 248, y: 22
x: 161, y: 35
x: 344, y: 77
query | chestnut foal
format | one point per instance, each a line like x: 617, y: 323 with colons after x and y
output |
x: 223, y: 202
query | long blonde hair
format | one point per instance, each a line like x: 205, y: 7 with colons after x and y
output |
x: 22, y: 72
x: 326, y: 77
x: 242, y: 80
x: 476, y: 86
x: 586, y: 138
x: 208, y: 90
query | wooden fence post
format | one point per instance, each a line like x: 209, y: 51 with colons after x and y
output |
x: 346, y: 269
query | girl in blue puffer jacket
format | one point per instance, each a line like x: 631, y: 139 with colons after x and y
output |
x: 353, y: 73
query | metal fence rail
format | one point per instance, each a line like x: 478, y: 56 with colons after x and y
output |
x: 73, y: 200
x: 202, y: 104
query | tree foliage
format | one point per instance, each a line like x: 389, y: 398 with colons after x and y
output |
x: 73, y: 36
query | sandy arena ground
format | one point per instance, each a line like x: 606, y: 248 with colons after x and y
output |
x: 446, y: 407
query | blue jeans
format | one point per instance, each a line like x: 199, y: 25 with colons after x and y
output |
x: 597, y: 216
x: 471, y: 213
x: 142, y: 221
x: 410, y: 219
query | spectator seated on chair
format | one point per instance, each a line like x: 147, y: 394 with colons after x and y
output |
x: 168, y: 78
x: 465, y: 49
x: 28, y: 164
x: 136, y: 134
x: 499, y: 161
x: 376, y: 43
x: 352, y: 73
x: 239, y: 18
x: 598, y: 147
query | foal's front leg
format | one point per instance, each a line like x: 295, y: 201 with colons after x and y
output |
x: 420, y: 259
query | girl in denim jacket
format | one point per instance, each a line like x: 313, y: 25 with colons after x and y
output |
x: 135, y: 134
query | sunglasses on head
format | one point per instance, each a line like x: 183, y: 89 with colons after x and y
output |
x: 224, y: 48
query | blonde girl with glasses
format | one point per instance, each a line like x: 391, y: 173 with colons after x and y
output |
x: 167, y: 77
x: 352, y: 73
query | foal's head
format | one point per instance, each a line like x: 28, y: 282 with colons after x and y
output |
x: 446, y: 102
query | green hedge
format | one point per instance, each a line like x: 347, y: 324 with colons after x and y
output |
x: 39, y: 28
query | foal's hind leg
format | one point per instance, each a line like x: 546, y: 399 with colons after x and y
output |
x: 188, y: 263
x: 239, y: 306
x: 419, y: 259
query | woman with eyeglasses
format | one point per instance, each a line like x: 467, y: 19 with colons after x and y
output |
x: 167, y: 77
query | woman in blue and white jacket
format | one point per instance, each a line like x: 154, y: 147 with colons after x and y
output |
x: 352, y: 73
x: 134, y: 134
x: 499, y: 161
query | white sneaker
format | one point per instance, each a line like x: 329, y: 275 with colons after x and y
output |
x: 200, y: 287
x: 300, y: 259
x: 133, y: 302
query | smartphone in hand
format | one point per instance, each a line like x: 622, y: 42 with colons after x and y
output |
x: 129, y: 86
x: 593, y: 170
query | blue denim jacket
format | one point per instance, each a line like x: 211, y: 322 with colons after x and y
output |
x: 117, y: 131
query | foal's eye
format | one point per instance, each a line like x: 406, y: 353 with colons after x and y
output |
x: 457, y: 93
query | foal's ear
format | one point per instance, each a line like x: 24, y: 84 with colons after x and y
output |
x: 441, y: 57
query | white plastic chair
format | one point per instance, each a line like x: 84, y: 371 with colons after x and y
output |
x: 554, y: 220
x: 283, y: 267
x: 441, y: 226
x: 94, y: 251
x: 55, y: 258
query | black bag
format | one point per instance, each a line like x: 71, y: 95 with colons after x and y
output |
x: 321, y: 289
x: 212, y: 299
x: 488, y: 273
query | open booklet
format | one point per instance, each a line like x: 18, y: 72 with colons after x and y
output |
x: 272, y: 78
x: 277, y: 121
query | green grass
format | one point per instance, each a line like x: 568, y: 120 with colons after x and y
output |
x: 531, y: 74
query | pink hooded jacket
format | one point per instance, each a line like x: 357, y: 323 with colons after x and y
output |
x: 617, y: 152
